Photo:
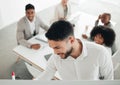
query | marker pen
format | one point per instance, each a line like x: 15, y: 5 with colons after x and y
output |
x: 13, y: 75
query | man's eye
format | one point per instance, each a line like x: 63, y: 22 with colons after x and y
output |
x: 57, y: 48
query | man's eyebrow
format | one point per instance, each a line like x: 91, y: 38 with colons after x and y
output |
x: 56, y: 47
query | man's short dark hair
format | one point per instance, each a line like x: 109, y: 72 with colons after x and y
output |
x: 60, y: 30
x: 108, y: 34
x: 29, y: 6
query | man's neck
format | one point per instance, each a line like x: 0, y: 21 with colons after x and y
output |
x: 77, y: 49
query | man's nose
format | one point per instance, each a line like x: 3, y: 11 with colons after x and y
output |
x: 56, y: 51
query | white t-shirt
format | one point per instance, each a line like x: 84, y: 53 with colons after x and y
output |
x: 32, y: 25
x: 94, y: 62
x: 109, y: 50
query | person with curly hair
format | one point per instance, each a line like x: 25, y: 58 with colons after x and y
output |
x: 104, y: 36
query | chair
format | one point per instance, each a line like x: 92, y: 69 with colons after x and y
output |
x: 35, y: 72
x: 116, y: 64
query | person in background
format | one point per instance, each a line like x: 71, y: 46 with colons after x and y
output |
x: 105, y: 19
x: 103, y: 36
x: 29, y: 26
x: 62, y: 10
x: 73, y: 58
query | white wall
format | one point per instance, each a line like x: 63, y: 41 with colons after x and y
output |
x: 12, y: 10
x: 1, y: 21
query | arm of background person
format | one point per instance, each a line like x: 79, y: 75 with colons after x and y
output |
x: 20, y: 36
x: 106, y: 65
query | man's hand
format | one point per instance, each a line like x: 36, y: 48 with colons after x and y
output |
x: 35, y: 46
x: 84, y: 36
x: 62, y: 18
x: 99, y: 17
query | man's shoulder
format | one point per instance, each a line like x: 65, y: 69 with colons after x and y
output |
x: 96, y: 49
x: 58, y: 6
x: 94, y: 46
x: 22, y: 19
x: 110, y: 25
x: 37, y: 18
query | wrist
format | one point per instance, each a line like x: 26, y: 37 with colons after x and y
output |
x: 31, y: 46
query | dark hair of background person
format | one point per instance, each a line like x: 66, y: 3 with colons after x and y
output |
x: 108, y: 34
x: 29, y: 6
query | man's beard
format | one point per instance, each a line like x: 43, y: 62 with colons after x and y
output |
x: 68, y: 53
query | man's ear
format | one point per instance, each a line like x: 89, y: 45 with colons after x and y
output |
x: 72, y: 39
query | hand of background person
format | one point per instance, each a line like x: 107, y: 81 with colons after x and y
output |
x: 35, y: 46
x: 62, y: 18
x: 99, y: 17
x: 84, y: 36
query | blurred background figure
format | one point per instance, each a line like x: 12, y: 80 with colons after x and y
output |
x: 62, y: 10
x: 105, y: 19
x: 103, y: 36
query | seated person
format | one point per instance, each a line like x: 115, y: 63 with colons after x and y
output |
x: 29, y: 26
x: 105, y: 19
x: 103, y: 36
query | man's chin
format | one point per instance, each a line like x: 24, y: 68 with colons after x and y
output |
x: 63, y: 57
x: 31, y: 19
